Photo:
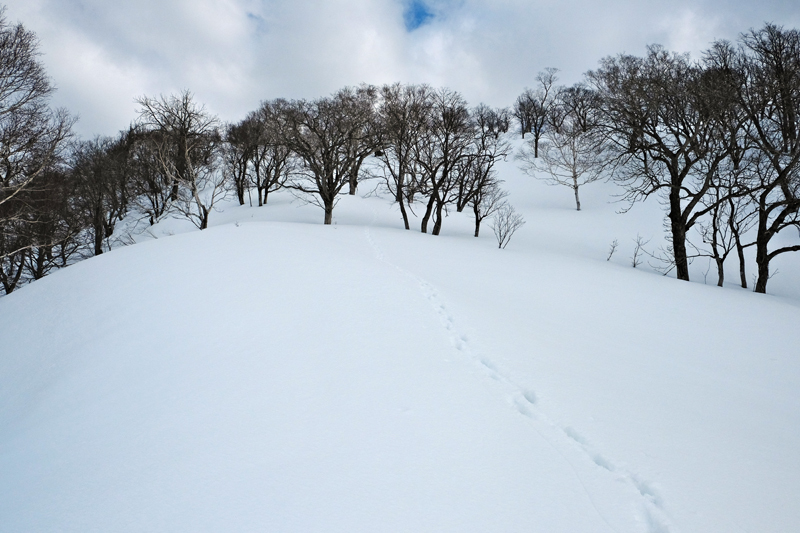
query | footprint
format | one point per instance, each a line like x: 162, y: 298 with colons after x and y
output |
x: 523, y: 407
x: 574, y: 435
x: 603, y: 463
x: 647, y: 491
x: 488, y: 364
x: 530, y: 396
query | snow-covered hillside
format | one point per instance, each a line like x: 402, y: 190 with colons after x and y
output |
x: 274, y: 374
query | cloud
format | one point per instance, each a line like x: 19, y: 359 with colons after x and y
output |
x: 234, y: 53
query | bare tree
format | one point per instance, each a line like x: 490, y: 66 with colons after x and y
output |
x: 443, y: 153
x: 237, y: 151
x: 489, y: 145
x: 365, y: 143
x: 150, y: 186
x: 56, y: 224
x: 185, y: 140
x: 328, y: 136
x: 729, y: 218
x: 486, y: 201
x: 404, y: 110
x: 272, y: 160
x: 769, y: 63
x: 506, y: 223
x: 612, y: 248
x: 571, y: 150
x: 658, y: 124
x: 45, y: 231
x: 639, y: 251
x: 32, y: 135
x: 533, y: 105
x: 32, y: 139
x: 98, y: 170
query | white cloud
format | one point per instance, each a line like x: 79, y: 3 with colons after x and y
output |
x: 234, y: 53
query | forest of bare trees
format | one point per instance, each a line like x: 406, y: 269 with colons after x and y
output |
x: 716, y: 140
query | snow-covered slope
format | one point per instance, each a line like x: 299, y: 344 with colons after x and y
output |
x: 273, y: 374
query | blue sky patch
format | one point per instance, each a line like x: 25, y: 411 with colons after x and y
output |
x: 416, y: 14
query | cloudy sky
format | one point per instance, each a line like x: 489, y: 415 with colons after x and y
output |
x: 232, y: 54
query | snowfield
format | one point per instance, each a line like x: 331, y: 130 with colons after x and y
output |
x: 274, y: 374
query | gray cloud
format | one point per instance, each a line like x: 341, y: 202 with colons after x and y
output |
x: 234, y: 53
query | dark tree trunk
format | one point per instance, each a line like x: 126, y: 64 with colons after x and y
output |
x: 10, y: 283
x: 403, y: 212
x: 98, y: 236
x: 354, y: 178
x: 428, y: 211
x: 399, y: 196
x: 678, y: 227
x: 762, y: 261
x: 328, y: 213
x: 742, y: 273
x: 437, y: 219
x: 38, y: 271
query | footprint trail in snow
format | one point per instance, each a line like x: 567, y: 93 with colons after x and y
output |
x: 653, y: 516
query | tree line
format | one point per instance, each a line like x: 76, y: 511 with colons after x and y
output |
x: 717, y: 139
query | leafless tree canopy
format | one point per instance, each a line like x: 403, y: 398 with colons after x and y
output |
x: 185, y: 141
x: 571, y: 150
x: 506, y: 223
x: 331, y: 137
x: 533, y: 106
x: 32, y: 140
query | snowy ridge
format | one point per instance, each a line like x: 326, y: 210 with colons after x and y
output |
x: 273, y: 374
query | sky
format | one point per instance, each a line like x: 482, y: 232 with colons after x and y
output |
x: 233, y: 54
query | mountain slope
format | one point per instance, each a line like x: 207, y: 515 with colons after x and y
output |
x: 278, y: 375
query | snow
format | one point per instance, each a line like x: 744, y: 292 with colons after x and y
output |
x: 274, y: 374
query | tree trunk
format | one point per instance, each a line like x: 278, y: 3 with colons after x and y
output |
x: 354, y: 178
x: 398, y: 197
x: 437, y: 219
x: 742, y: 273
x: 762, y: 261
x: 405, y: 215
x: 720, y: 271
x: 10, y: 284
x: 428, y: 211
x: 763, y: 237
x: 577, y: 198
x: 98, y: 236
x: 678, y: 228
x: 328, y: 213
